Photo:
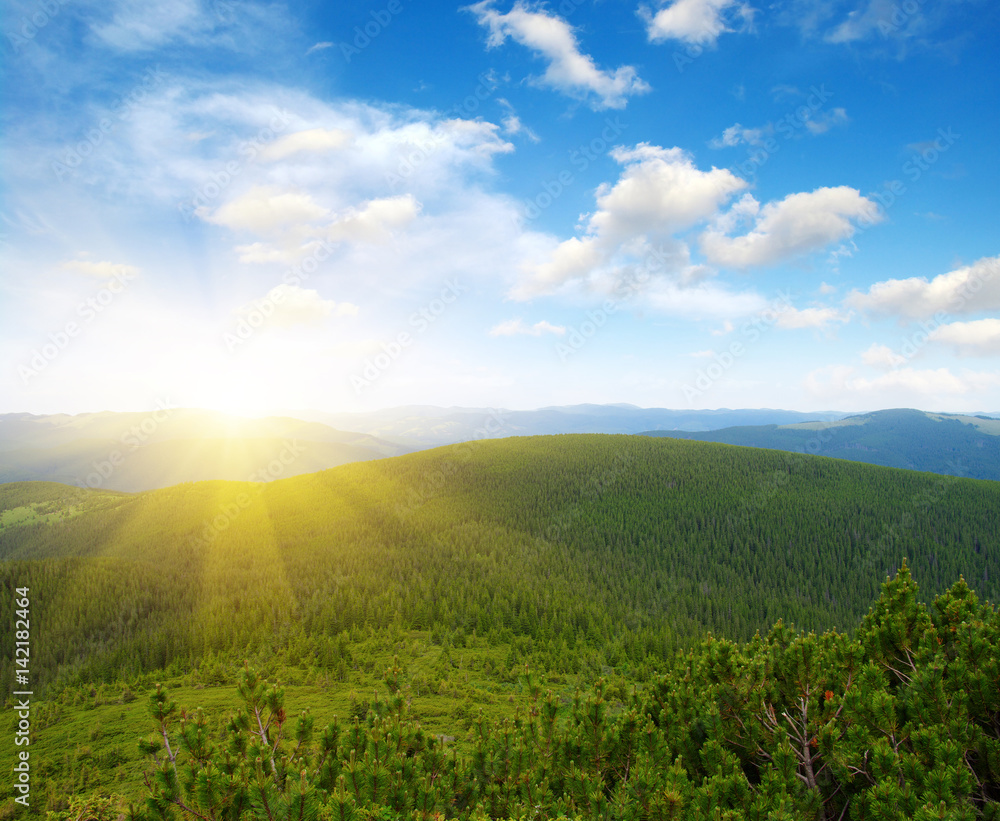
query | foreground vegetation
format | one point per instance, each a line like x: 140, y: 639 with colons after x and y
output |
x: 899, y: 721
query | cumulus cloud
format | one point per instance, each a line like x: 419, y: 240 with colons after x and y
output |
x: 981, y: 337
x: 101, y: 270
x: 695, y: 21
x: 287, y: 306
x: 797, y: 225
x: 515, y: 327
x: 312, y: 140
x: 882, y: 357
x: 570, y: 71
x: 375, y: 220
x: 965, y: 290
x: 265, y: 209
x: 659, y: 193
x: 661, y: 190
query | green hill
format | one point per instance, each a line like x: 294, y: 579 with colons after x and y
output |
x: 599, y: 549
x: 949, y: 444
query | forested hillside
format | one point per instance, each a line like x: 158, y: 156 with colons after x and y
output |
x: 602, y: 550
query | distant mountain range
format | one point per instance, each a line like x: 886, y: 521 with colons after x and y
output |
x: 422, y: 426
x: 144, y: 451
x: 951, y: 444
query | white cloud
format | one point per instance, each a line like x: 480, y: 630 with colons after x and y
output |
x: 102, y: 270
x: 816, y: 123
x: 319, y: 47
x: 287, y: 306
x: 310, y: 141
x: 965, y: 290
x: 513, y: 125
x: 694, y: 21
x: 375, y: 220
x: 265, y: 209
x: 981, y: 337
x: 737, y: 134
x: 138, y: 25
x: 262, y: 253
x: 821, y: 123
x: 864, y: 22
x: 882, y: 357
x: 659, y: 193
x: 797, y: 225
x: 569, y: 71
x: 661, y: 190
x: 514, y: 327
x: 791, y: 318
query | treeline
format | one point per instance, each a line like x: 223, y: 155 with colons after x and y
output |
x: 598, y: 550
x: 899, y: 721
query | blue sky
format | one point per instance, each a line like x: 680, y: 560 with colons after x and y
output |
x: 692, y: 204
